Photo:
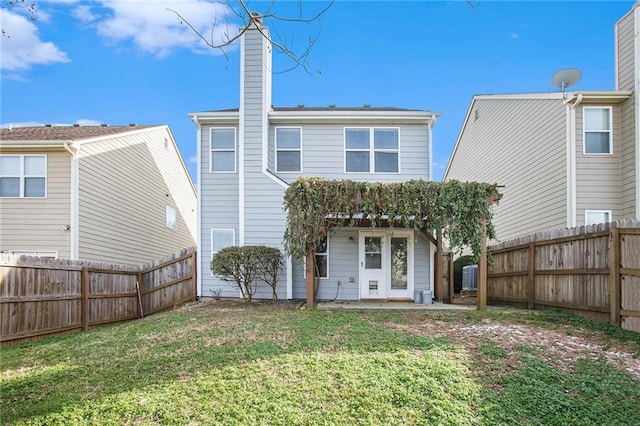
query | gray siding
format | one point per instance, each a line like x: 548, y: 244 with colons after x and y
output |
x: 34, y: 224
x: 627, y: 55
x: 521, y: 144
x: 219, y: 210
x: 323, y: 153
x: 125, y: 184
x: 343, y: 265
x: 598, y: 176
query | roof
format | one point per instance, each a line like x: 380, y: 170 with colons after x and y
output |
x: 63, y: 133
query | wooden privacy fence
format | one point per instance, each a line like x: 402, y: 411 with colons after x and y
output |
x: 42, y: 297
x: 593, y: 271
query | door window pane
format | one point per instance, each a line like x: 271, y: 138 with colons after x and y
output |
x: 373, y: 252
x: 399, y: 263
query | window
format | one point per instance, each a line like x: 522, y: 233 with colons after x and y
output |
x: 44, y: 254
x: 288, y: 149
x: 322, y: 259
x: 171, y: 221
x: 221, y: 238
x: 223, y: 150
x: 23, y: 176
x: 594, y: 217
x: 597, y: 130
x: 361, y: 156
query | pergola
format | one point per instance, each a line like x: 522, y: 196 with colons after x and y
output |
x: 458, y: 211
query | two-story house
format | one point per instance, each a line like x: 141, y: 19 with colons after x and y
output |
x: 247, y: 157
x: 118, y: 194
x: 565, y: 158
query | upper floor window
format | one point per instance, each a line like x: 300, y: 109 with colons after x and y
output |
x: 288, y: 149
x: 23, y: 176
x: 594, y: 217
x: 363, y: 156
x: 223, y: 150
x: 597, y: 130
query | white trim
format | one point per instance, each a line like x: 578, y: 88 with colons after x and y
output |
x: 371, y: 150
x: 74, y: 237
x: 584, y: 131
x: 434, y: 118
x: 241, y: 121
x: 636, y: 38
x: 571, y: 166
x: 275, y: 148
x: 199, y: 205
x: 342, y: 117
x: 289, y: 278
x: 607, y: 212
x: 51, y: 253
x: 212, y: 150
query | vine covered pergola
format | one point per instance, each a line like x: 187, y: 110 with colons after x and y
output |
x: 461, y: 212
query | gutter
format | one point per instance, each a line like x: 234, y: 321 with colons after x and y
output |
x: 196, y: 121
x: 74, y: 236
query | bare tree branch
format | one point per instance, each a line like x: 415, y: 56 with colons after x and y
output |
x: 249, y: 19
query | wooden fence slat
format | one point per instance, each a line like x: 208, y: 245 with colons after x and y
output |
x: 614, y: 279
x: 531, y: 277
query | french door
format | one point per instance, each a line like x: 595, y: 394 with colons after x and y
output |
x: 386, y: 264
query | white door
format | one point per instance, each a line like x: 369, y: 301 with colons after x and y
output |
x: 386, y: 264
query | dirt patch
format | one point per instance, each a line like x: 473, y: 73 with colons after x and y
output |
x: 558, y: 347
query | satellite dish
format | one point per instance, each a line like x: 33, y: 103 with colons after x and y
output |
x: 566, y: 78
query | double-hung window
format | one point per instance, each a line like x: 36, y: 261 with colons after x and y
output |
x: 322, y: 259
x: 223, y: 150
x: 372, y: 150
x: 597, y: 130
x: 23, y: 176
x: 171, y: 219
x: 288, y: 149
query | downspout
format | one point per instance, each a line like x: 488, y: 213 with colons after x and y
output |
x: 74, y: 231
x: 434, y: 118
x: 636, y: 94
x: 571, y: 162
x: 196, y: 121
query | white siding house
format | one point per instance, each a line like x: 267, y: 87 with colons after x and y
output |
x: 247, y: 157
x: 565, y: 159
x: 119, y: 194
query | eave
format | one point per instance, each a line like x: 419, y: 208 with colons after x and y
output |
x: 599, y: 97
x: 353, y: 117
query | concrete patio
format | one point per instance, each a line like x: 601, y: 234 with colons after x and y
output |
x: 408, y: 306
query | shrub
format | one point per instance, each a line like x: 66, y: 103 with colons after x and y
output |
x: 244, y: 266
x: 457, y: 271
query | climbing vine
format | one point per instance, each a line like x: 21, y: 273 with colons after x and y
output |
x: 318, y: 206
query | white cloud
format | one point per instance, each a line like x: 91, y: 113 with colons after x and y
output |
x: 88, y: 122
x: 155, y: 29
x: 22, y: 46
x: 193, y: 159
x: 83, y: 14
x: 514, y: 35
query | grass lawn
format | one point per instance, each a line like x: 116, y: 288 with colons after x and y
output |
x: 226, y: 363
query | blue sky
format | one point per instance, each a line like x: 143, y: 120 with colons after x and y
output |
x: 121, y: 62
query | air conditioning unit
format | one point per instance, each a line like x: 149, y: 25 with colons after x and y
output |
x: 470, y: 277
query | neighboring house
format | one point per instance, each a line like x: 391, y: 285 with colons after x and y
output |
x: 248, y: 156
x: 565, y: 159
x: 118, y: 194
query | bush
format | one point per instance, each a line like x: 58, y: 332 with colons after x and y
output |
x: 458, y: 264
x: 244, y: 266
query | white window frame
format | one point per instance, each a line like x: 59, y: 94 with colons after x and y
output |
x: 214, y: 230
x: 170, y: 209
x: 276, y: 149
x: 372, y: 149
x: 587, y: 212
x: 212, y: 150
x: 50, y: 254
x: 23, y: 176
x: 584, y: 131
x: 326, y: 254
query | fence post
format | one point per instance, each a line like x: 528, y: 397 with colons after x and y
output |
x: 439, y: 266
x: 84, y: 282
x: 614, y: 275
x: 194, y: 274
x: 531, y: 283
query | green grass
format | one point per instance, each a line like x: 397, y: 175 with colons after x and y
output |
x: 252, y: 365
